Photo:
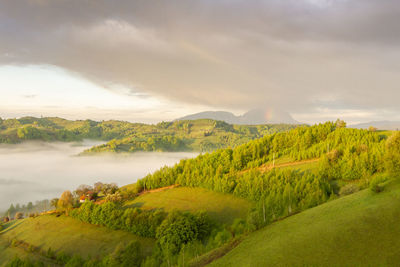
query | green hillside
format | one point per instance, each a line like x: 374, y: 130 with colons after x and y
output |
x: 198, y: 135
x: 64, y: 234
x: 276, y: 193
x: 222, y: 208
x: 357, y: 230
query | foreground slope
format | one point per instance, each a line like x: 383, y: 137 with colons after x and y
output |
x: 358, y: 230
x: 65, y: 234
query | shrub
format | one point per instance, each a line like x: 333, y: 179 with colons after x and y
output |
x: 75, y: 261
x: 348, y: 189
x: 116, y: 197
x: 62, y: 258
x: 238, y: 227
x: 19, y: 215
x: 376, y: 183
x: 14, y: 243
x: 222, y: 237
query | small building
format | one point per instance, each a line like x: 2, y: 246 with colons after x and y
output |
x: 90, y: 195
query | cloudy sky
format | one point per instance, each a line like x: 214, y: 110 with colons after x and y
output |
x: 157, y: 60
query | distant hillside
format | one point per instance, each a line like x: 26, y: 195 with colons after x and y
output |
x: 198, y: 135
x: 252, y: 117
x: 380, y: 125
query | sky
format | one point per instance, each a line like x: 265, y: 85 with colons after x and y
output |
x: 158, y: 60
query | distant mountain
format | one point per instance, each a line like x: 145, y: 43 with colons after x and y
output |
x: 380, y: 125
x: 255, y: 116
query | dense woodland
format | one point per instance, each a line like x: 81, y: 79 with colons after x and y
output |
x: 346, y: 155
x: 199, y: 135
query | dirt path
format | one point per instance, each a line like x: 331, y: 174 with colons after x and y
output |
x: 268, y: 167
x: 158, y: 189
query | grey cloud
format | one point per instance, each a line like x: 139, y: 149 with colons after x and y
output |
x: 233, y: 54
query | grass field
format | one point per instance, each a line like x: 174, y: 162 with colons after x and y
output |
x: 362, y: 229
x: 65, y: 234
x: 223, y: 208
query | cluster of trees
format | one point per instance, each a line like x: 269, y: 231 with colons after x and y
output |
x: 69, y: 200
x: 140, y: 222
x: 392, y: 157
x: 129, y: 144
x: 29, y: 208
x: 355, y: 154
x: 347, y: 154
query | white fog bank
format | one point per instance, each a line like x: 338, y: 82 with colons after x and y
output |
x: 36, y: 171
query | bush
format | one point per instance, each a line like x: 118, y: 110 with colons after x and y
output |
x: 62, y: 258
x: 348, y: 189
x: 222, y: 237
x: 376, y: 183
x: 19, y: 215
x: 180, y: 228
x: 75, y: 261
x: 14, y: 243
x: 238, y: 227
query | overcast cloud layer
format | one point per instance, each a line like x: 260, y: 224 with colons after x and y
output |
x: 303, y: 56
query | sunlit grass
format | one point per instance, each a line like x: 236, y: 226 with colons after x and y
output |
x: 358, y: 230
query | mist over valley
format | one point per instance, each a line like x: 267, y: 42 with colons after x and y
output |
x: 38, y: 170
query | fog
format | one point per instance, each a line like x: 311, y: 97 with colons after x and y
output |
x: 36, y: 171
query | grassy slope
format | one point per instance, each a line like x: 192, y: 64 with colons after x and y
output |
x: 68, y: 235
x: 360, y: 229
x: 222, y: 207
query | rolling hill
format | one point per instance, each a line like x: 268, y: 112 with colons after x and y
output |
x: 223, y: 208
x: 252, y: 117
x: 361, y: 229
x: 380, y: 125
x: 63, y: 234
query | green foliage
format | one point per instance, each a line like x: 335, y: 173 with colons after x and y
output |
x: 376, y: 184
x: 140, y: 222
x: 346, y: 154
x: 393, y: 154
x: 181, y: 228
x: 348, y: 189
x: 199, y: 135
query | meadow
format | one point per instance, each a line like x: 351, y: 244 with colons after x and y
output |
x: 361, y: 229
x: 223, y: 208
x: 65, y: 234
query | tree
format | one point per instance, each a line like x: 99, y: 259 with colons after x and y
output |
x: 30, y: 206
x: 66, y: 201
x: 372, y: 129
x: 177, y: 229
x: 11, y: 209
x: 54, y: 202
x: 340, y: 123
x: 131, y: 255
x: 98, y: 187
x: 393, y: 154
x: 83, y: 189
x: 288, y: 198
x: 109, y: 188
